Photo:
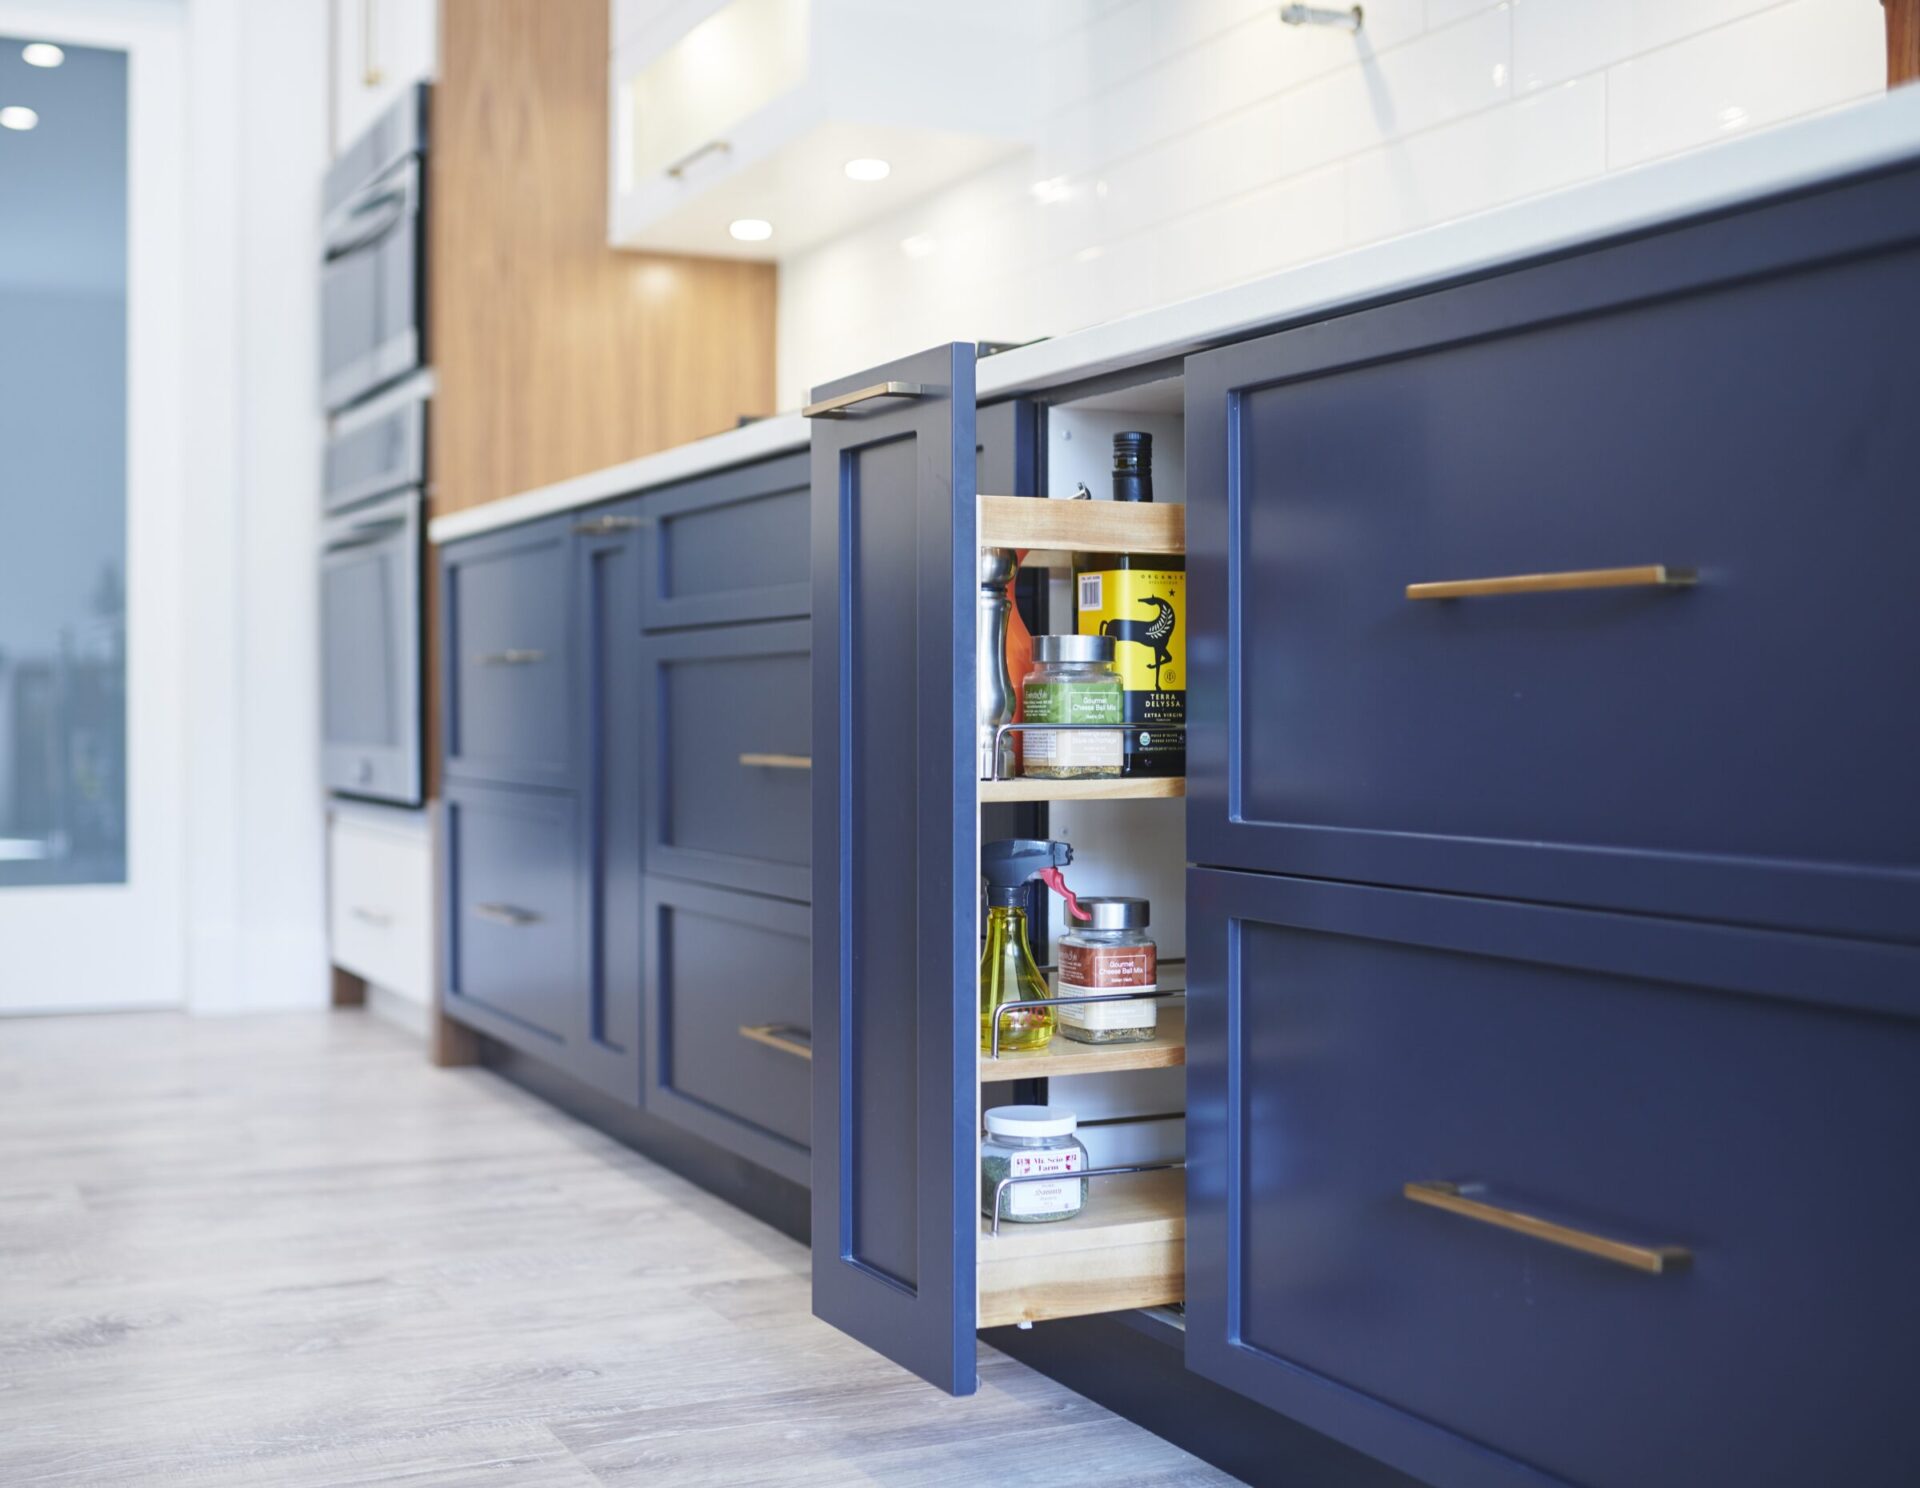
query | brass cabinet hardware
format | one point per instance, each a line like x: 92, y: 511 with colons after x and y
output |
x: 1644, y: 576
x: 777, y: 761
x: 680, y: 167
x: 506, y: 914
x: 371, y: 917
x: 839, y: 403
x: 601, y: 526
x: 371, y: 73
x: 512, y: 658
x: 782, y: 1036
x: 1656, y: 1260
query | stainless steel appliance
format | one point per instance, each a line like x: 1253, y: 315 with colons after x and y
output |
x: 372, y: 284
x: 371, y: 560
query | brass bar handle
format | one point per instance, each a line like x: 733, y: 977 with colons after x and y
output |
x: 1644, y: 576
x: 1655, y: 1260
x: 839, y: 403
x: 371, y: 73
x: 604, y: 526
x: 371, y: 917
x: 510, y: 915
x: 777, y: 761
x: 678, y: 170
x: 512, y: 658
x: 782, y: 1036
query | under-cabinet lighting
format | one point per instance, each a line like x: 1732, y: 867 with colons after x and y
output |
x: 867, y: 168
x: 42, y: 54
x: 751, y: 229
x: 18, y: 116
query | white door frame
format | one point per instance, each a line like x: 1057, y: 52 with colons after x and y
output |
x: 68, y: 948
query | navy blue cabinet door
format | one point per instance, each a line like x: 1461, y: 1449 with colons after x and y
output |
x: 728, y: 547
x: 1659, y: 1083
x: 607, y: 592
x: 895, y: 864
x: 1726, y: 397
x: 506, y: 672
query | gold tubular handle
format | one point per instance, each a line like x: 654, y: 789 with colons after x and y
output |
x: 371, y: 73
x: 782, y: 1036
x: 1645, y: 576
x: 777, y: 761
x: 506, y: 914
x: 1656, y: 1260
x: 837, y: 406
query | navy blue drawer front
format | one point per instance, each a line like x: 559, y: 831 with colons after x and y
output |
x: 729, y: 547
x: 1726, y: 398
x: 726, y: 720
x: 1648, y: 1081
x: 507, y: 665
x: 513, y: 917
x: 728, y: 1016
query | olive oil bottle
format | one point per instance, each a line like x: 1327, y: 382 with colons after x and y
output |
x: 1140, y: 599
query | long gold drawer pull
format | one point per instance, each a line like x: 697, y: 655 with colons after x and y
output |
x: 1645, y: 576
x: 837, y: 406
x: 777, y: 761
x: 512, y: 658
x: 782, y: 1036
x: 371, y: 917
x: 1653, y: 1259
x: 506, y: 914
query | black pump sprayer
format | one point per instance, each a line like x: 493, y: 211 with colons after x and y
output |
x: 1007, y: 969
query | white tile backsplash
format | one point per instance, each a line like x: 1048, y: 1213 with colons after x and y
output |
x: 1192, y: 144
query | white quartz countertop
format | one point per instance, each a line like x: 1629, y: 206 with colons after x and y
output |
x: 1859, y: 138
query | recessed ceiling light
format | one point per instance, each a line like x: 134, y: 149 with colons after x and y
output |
x: 867, y: 168
x: 918, y: 246
x: 18, y: 116
x: 751, y: 229
x: 42, y: 54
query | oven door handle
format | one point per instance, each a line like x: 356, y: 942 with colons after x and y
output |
x: 369, y: 220
x: 366, y: 534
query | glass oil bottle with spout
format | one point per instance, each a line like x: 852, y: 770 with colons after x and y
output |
x: 1007, y: 969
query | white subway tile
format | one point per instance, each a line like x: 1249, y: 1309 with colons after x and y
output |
x: 1446, y: 12
x: 1771, y: 66
x: 1557, y: 39
x: 1547, y: 140
x: 1269, y: 229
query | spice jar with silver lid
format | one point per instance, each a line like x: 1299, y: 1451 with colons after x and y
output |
x: 1034, y: 1143
x: 1109, y: 956
x: 1073, y: 681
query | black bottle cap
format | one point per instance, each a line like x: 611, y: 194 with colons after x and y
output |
x: 1133, y: 466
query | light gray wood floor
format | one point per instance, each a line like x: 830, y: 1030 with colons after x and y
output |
x: 282, y: 1250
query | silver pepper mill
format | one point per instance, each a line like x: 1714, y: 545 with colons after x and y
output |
x: 993, y: 692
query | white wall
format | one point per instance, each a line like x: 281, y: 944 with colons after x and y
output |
x: 1193, y: 144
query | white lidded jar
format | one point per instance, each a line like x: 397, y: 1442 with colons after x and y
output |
x: 1109, y: 956
x: 1037, y: 1143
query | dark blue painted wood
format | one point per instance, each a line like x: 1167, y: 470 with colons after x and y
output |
x: 506, y: 672
x: 710, y: 697
x: 1645, y: 1079
x: 512, y: 933
x: 728, y: 547
x: 895, y: 868
x: 719, y: 962
x: 1727, y: 394
x: 607, y: 723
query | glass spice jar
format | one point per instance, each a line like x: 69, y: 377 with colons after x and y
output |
x: 1029, y: 1142
x: 1074, y: 681
x: 1109, y: 956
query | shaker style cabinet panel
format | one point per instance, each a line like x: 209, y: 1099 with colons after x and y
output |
x: 895, y: 862
x: 380, y: 49
x: 729, y: 547
x: 505, y: 673
x: 1683, y: 461
x: 1665, y: 1235
x: 728, y: 1020
x: 727, y: 756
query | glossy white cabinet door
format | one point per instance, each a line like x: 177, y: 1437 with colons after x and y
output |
x: 380, y: 898
x: 380, y: 48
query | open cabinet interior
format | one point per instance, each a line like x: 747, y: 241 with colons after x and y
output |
x: 1127, y: 1247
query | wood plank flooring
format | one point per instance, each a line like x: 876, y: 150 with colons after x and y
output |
x: 283, y: 1250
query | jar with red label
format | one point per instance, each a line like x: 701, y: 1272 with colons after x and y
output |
x: 1109, y: 957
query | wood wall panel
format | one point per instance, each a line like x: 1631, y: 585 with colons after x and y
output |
x: 555, y: 353
x: 1903, y: 41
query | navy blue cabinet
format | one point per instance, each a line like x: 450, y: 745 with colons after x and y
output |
x: 729, y: 546
x: 895, y: 870
x: 1650, y: 1082
x: 1725, y: 398
x: 726, y: 755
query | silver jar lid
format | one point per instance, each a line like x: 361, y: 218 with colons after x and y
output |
x: 1117, y: 912
x: 1094, y: 648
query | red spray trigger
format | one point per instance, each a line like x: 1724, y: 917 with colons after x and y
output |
x: 1052, y: 879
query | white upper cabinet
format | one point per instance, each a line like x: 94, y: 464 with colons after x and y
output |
x: 380, y: 48
x: 783, y: 111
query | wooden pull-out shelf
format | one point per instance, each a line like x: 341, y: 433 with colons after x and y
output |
x: 1142, y: 788
x: 1167, y: 1048
x: 1044, y: 527
x: 1126, y: 1249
